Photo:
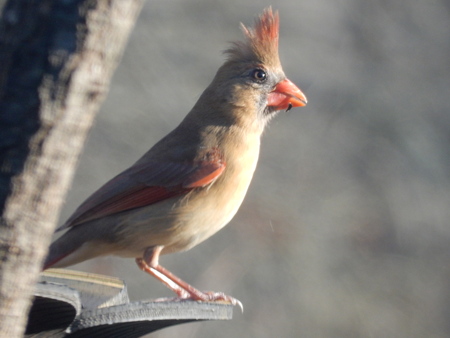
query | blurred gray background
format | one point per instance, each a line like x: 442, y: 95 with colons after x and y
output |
x: 345, y: 231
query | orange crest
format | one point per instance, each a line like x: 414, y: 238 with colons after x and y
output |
x: 262, y: 40
x: 265, y: 34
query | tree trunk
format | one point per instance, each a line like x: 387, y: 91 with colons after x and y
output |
x: 57, y: 58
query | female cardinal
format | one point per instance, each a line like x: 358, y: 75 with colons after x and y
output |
x: 192, y: 182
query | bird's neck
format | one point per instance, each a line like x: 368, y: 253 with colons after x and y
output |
x: 225, y: 118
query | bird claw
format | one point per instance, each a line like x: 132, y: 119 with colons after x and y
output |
x: 211, y: 296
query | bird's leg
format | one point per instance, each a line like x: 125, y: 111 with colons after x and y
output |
x: 149, y: 263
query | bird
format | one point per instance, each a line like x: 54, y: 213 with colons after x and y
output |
x: 192, y: 182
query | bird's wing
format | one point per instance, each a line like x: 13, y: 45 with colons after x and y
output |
x: 148, y: 183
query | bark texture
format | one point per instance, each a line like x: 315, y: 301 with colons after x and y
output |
x: 57, y: 59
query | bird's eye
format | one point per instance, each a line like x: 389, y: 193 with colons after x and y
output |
x: 259, y: 75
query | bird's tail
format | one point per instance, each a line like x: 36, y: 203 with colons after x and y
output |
x: 51, y: 260
x: 62, y: 249
x: 57, y: 252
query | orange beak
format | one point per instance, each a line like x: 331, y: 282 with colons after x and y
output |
x: 285, y: 96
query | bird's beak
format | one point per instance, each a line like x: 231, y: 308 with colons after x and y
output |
x: 285, y: 96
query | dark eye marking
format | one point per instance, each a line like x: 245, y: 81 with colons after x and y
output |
x: 259, y: 75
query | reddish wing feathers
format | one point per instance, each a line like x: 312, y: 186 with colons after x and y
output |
x: 132, y: 199
x: 212, y: 167
x: 147, y: 184
x: 203, y: 176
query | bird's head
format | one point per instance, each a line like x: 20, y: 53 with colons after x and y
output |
x: 252, y: 80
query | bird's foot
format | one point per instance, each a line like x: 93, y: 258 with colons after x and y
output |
x: 183, y: 290
x: 211, y: 296
x: 191, y: 293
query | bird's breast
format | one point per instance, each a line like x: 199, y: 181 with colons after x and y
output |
x: 206, y: 210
